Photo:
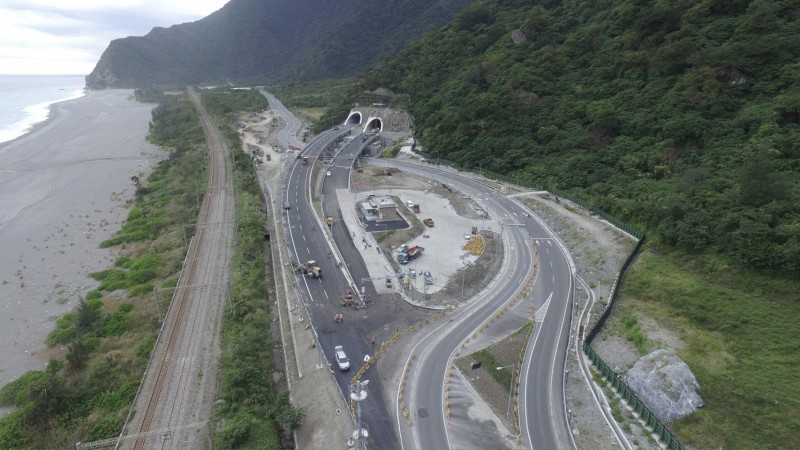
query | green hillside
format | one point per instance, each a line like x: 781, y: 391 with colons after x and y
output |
x: 263, y: 41
x: 680, y: 116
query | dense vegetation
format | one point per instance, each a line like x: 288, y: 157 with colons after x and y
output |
x: 682, y: 116
x: 330, y: 97
x: 108, y: 338
x: 251, y: 413
x: 262, y: 41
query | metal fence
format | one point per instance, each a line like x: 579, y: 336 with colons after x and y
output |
x: 613, y: 294
x: 659, y: 430
x: 630, y: 397
x: 639, y: 408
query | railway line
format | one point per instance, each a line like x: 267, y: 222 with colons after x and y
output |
x: 178, y: 386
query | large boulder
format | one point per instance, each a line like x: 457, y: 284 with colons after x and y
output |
x: 665, y: 384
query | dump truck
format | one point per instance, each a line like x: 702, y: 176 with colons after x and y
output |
x: 305, y: 160
x: 428, y: 222
x: 311, y: 269
x: 406, y: 255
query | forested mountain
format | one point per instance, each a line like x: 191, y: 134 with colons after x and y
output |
x: 271, y: 40
x: 682, y: 116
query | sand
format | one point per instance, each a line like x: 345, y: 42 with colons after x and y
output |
x: 63, y: 190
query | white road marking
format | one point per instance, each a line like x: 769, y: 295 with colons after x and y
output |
x: 541, y: 312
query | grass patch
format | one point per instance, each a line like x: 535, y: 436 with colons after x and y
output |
x: 489, y: 362
x: 312, y: 114
x: 109, y: 335
x: 635, y: 334
x: 741, y: 343
x: 250, y: 413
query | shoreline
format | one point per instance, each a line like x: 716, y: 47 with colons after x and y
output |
x: 50, y: 107
x: 64, y: 188
x: 52, y: 114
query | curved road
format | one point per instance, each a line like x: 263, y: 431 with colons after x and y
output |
x: 542, y: 412
x: 542, y: 415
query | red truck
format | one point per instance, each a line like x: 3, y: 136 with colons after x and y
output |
x: 408, y: 254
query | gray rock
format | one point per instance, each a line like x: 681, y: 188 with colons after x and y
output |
x: 518, y: 36
x: 665, y: 384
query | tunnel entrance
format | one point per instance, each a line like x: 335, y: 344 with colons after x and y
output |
x: 353, y: 119
x: 374, y: 124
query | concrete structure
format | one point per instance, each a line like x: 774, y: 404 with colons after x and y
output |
x: 379, y: 209
x: 379, y: 118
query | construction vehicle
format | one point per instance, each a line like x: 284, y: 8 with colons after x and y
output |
x: 305, y: 160
x: 348, y: 300
x: 406, y: 255
x: 311, y: 269
x: 329, y: 221
x: 428, y: 222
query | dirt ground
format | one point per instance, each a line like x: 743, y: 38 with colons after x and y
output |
x: 598, y: 251
x: 477, y: 275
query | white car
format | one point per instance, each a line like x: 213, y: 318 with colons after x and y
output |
x: 341, y: 358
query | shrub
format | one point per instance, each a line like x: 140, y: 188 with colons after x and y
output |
x: 118, y: 323
x: 66, y: 330
x: 107, y: 427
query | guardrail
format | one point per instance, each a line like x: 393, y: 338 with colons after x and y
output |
x: 627, y: 395
x: 522, y: 183
x: 639, y: 408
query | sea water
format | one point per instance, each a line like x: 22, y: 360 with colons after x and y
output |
x: 25, y: 100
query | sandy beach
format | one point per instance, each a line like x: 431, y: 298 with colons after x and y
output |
x: 63, y: 190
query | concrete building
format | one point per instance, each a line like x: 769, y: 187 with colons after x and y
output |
x: 379, y: 209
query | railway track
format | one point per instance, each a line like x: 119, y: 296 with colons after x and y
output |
x: 172, y: 392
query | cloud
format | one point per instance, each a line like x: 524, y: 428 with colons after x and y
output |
x: 58, y: 37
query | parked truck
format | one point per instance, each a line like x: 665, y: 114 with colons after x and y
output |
x: 406, y: 255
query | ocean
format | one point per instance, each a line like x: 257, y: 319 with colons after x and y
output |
x: 25, y: 100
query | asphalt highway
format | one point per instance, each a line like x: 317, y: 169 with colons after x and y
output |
x: 542, y: 411
x: 321, y: 295
x: 288, y: 135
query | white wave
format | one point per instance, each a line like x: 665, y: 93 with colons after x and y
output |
x: 35, y: 114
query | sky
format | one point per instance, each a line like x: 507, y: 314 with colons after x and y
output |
x: 67, y: 37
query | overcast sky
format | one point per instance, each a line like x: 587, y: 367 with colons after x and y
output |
x: 67, y: 37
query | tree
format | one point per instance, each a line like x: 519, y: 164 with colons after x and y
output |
x: 87, y: 316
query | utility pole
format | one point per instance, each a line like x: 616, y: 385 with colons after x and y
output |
x: 510, y: 387
x: 359, y: 436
